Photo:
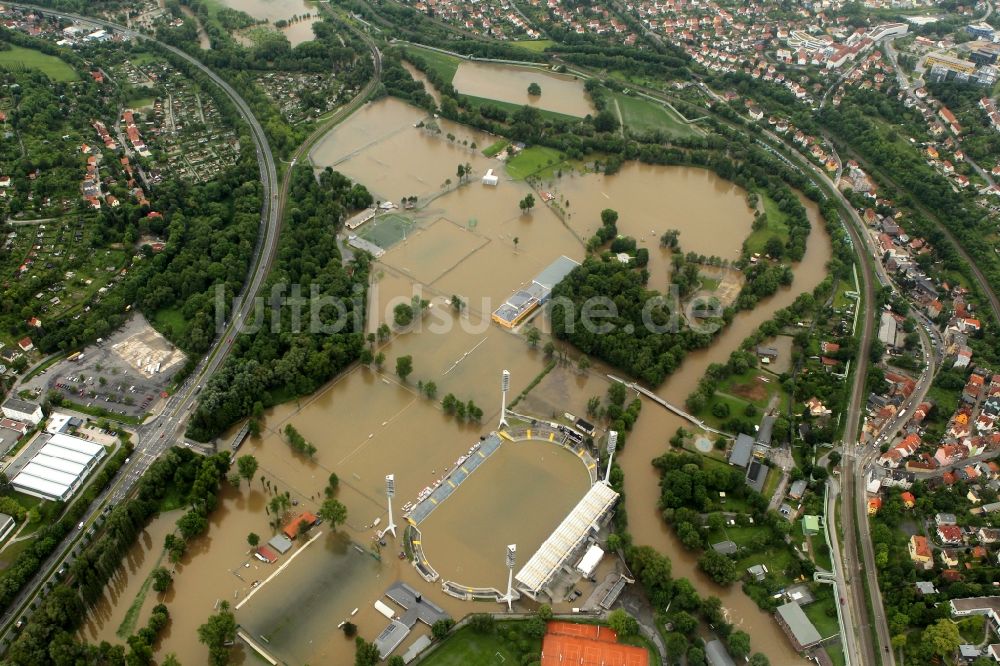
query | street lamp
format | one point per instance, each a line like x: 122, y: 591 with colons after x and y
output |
x: 612, y: 446
x: 511, y: 561
x: 390, y: 492
x: 504, y: 387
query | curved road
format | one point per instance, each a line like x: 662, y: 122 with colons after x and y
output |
x: 158, y: 435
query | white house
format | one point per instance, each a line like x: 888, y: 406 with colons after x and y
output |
x: 22, y: 410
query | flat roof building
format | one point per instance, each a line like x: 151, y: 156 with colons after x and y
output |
x: 523, y: 302
x: 742, y: 450
x: 797, y: 626
x: 59, y: 467
x: 6, y: 525
x: 22, y: 410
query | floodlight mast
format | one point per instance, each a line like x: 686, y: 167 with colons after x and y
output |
x: 390, y: 492
x: 511, y: 561
x: 612, y: 446
x: 504, y: 387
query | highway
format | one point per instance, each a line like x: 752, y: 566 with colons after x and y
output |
x: 161, y: 433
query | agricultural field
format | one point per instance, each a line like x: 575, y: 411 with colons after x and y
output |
x: 532, y: 160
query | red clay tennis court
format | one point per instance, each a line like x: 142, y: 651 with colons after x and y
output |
x: 569, y: 644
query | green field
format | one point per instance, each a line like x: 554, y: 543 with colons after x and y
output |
x: 17, y: 57
x: 445, y: 65
x: 642, y: 115
x: 495, y: 148
x: 532, y: 160
x: 777, y: 225
x: 510, y: 107
x: 140, y: 102
x: 466, y: 647
x: 387, y: 230
x: 536, y: 45
x: 171, y: 319
x: 823, y: 613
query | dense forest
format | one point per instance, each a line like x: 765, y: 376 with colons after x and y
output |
x: 288, y: 355
x: 622, y: 338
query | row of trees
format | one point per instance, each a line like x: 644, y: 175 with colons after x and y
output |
x: 299, y: 343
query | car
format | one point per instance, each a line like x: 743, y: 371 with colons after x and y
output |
x: 80, y: 526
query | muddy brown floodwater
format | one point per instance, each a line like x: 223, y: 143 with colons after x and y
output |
x: 367, y: 423
x: 561, y: 93
x: 275, y: 10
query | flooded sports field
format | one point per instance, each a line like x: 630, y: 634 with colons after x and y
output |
x: 471, y: 241
x: 561, y: 93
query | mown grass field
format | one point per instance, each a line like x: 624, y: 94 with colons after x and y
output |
x: 642, y: 115
x: 17, y: 57
x: 445, y: 65
x: 466, y: 647
x: 777, y: 225
x: 532, y: 160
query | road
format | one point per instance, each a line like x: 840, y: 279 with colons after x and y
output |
x: 158, y: 435
x: 152, y: 439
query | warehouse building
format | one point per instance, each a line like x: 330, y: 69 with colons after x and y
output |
x: 59, y: 467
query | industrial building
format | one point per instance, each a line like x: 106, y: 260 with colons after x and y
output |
x: 567, y: 541
x: 524, y: 302
x: 59, y: 467
x: 797, y: 626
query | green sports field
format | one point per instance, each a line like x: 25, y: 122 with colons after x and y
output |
x: 386, y: 230
x: 642, y: 115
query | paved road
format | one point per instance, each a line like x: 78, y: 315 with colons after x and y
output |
x: 152, y: 439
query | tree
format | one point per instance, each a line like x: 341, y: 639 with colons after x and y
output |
x: 534, y: 89
x: 161, y: 579
x: 461, y: 172
x: 396, y: 660
x: 527, y: 203
x: 609, y: 217
x: 402, y: 314
x: 404, y: 366
x: 738, y: 644
x: 456, y: 303
x: 758, y: 659
x: 365, y: 654
x: 332, y: 484
x: 253, y: 539
x: 430, y: 390
x: 624, y: 624
x: 516, y: 241
x: 441, y: 628
x: 247, y: 466
x: 333, y: 512
x: 482, y: 623
x: 534, y: 336
x: 234, y: 479
x: 545, y: 612
x: 774, y: 248
x: 216, y: 633
x: 379, y: 360
x: 719, y: 567
x: 941, y: 638
x: 677, y: 645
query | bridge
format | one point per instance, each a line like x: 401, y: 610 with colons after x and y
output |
x: 240, y: 437
x: 670, y: 407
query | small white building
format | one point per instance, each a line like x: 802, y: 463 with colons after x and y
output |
x: 590, y: 560
x: 22, y: 410
x: 490, y: 178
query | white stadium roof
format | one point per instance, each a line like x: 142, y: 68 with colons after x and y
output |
x: 60, y: 464
x: 62, y: 453
x: 49, y: 474
x: 41, y: 487
x: 76, y: 444
x: 567, y: 538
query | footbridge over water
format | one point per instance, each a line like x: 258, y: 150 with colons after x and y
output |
x: 670, y: 407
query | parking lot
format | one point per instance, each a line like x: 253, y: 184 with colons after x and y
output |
x: 127, y: 374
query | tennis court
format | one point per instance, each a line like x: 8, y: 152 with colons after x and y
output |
x: 593, y: 632
x: 561, y: 650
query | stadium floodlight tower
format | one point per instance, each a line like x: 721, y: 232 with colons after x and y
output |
x: 504, y: 387
x: 390, y: 491
x: 612, y: 446
x: 511, y: 561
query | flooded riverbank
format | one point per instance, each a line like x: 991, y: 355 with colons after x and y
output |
x: 561, y: 93
x: 472, y: 241
x: 298, y: 14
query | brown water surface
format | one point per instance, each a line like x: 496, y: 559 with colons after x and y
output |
x: 366, y: 424
x: 561, y: 93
